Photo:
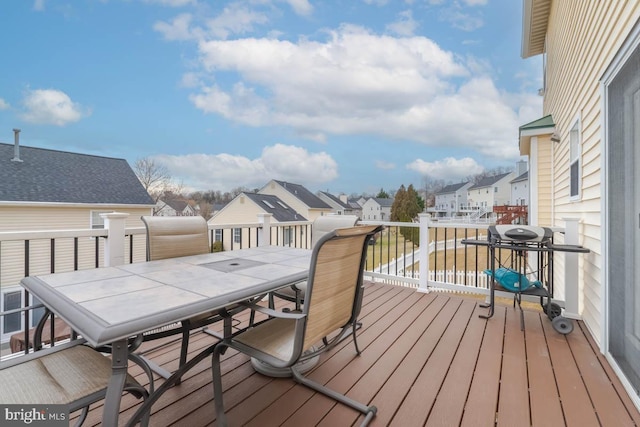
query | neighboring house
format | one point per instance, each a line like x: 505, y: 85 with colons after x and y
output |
x: 376, y: 209
x: 584, y: 160
x: 42, y: 189
x: 450, y: 200
x: 298, y: 197
x: 174, y: 207
x: 244, y: 209
x: 339, y: 207
x: 356, y: 208
x: 490, y: 191
x: 520, y: 190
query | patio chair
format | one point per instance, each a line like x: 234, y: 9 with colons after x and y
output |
x: 333, y: 301
x: 171, y: 237
x: 321, y: 226
x: 70, y: 374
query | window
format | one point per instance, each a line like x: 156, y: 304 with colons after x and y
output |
x: 287, y: 236
x: 574, y: 161
x: 97, y: 222
x: 237, y: 235
x: 495, y: 189
x: 11, y: 322
x: 218, y: 235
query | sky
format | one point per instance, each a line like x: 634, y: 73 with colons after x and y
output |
x: 345, y: 96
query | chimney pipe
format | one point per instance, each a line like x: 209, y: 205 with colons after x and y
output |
x: 16, y: 146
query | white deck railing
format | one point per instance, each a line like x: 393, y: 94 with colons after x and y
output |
x: 117, y: 245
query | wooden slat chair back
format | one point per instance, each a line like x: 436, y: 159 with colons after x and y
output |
x: 334, y: 298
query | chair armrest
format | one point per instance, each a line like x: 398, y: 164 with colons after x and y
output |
x: 274, y: 313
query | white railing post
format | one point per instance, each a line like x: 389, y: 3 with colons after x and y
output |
x: 114, y: 222
x: 571, y: 271
x: 264, y: 236
x: 423, y: 257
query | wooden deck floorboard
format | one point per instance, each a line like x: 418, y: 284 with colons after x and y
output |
x: 427, y: 359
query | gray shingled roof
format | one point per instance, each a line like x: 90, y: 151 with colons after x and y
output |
x: 280, y: 210
x: 384, y: 202
x: 62, y: 177
x: 336, y: 199
x: 523, y: 177
x: 490, y: 180
x: 452, y: 188
x: 305, y: 196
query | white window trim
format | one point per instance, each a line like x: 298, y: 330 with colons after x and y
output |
x: 95, y: 216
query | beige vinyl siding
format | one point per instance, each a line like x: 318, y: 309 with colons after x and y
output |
x: 240, y: 210
x: 543, y: 173
x: 32, y: 218
x: 582, y: 38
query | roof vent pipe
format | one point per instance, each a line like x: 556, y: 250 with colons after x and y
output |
x: 16, y: 146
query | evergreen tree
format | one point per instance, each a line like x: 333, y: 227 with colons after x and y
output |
x: 382, y: 194
x: 406, y: 208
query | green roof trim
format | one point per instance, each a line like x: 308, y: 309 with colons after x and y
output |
x: 544, y: 122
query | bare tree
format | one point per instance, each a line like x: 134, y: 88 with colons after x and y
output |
x: 156, y: 179
x: 153, y: 176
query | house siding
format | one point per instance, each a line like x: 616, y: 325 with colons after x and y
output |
x: 582, y: 39
x: 35, y: 218
x: 544, y: 150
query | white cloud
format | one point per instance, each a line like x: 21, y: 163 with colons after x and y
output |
x: 462, y: 20
x: 405, y: 25
x: 50, y: 106
x: 178, y: 29
x: 448, y: 169
x: 225, y: 171
x: 172, y: 3
x: 4, y: 105
x: 381, y: 164
x: 234, y: 19
x: 475, y: 2
x: 38, y: 5
x: 356, y: 82
x: 376, y: 2
x: 301, y: 7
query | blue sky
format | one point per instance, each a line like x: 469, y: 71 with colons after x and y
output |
x: 341, y: 95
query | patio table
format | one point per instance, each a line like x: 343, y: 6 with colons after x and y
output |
x: 108, y: 305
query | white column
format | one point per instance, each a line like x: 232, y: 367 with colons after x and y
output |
x: 423, y: 257
x: 264, y: 236
x: 572, y: 308
x: 114, y: 245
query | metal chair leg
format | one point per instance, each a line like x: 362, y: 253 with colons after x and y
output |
x: 217, y: 384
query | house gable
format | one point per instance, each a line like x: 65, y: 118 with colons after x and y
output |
x: 297, y: 197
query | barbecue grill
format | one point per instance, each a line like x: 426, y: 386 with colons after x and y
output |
x: 527, y: 268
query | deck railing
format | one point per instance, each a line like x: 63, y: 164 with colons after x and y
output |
x: 424, y: 255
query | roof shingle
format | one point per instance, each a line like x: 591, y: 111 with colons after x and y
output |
x: 53, y: 176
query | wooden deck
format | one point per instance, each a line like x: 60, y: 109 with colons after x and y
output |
x: 427, y: 359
